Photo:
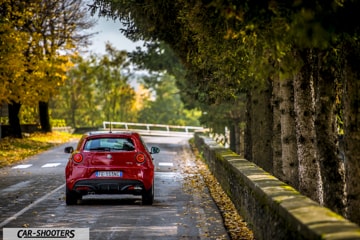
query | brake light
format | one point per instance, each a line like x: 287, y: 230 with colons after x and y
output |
x: 140, y: 158
x: 77, y: 158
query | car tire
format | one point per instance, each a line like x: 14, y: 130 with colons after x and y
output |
x: 72, y: 197
x: 148, y: 196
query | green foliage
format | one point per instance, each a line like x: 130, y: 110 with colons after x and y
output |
x: 166, y: 107
x: 76, y: 94
x: 118, y: 98
x: 159, y: 58
x: 96, y: 90
x: 228, y: 47
x: 214, y: 70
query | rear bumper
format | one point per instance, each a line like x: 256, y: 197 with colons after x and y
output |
x: 109, y: 186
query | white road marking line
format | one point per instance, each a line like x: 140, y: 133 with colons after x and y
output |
x: 18, y: 214
x: 167, y: 164
x: 22, y: 166
x: 50, y: 165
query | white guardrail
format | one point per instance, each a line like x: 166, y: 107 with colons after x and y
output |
x: 153, y: 129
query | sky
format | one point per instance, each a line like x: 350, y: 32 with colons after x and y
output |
x: 109, y: 31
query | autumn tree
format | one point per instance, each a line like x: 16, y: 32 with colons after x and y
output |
x: 97, y: 89
x: 18, y: 62
x: 47, y: 29
x: 12, y: 46
x: 61, y: 25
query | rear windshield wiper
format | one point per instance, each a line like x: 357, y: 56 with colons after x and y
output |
x: 100, y: 149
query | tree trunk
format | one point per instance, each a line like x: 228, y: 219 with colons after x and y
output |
x: 232, y: 137
x: 238, y: 141
x: 235, y: 136
x: 304, y: 106
x: 276, y: 141
x: 14, y: 121
x: 331, y: 169
x: 44, y: 116
x: 236, y: 116
x: 261, y: 126
x: 290, y: 163
x: 247, y: 135
x: 351, y: 141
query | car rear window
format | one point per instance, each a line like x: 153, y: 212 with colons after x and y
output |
x: 110, y: 144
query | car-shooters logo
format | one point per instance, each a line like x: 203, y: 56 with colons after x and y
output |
x: 46, y: 233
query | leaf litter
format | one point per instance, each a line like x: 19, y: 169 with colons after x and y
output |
x: 199, y: 177
x: 13, y: 150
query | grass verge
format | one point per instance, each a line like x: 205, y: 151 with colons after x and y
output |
x: 13, y: 150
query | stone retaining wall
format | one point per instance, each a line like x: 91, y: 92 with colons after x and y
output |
x: 273, y: 209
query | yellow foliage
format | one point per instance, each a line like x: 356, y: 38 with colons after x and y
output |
x: 30, y: 62
x: 13, y: 150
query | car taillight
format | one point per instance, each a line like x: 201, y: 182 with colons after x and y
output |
x: 77, y: 158
x: 140, y: 158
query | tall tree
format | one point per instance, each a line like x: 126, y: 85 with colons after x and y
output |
x: 326, y: 79
x: 351, y: 99
x: 304, y: 96
x: 113, y: 80
x: 12, y: 46
x: 166, y: 103
x: 97, y: 89
x: 18, y: 60
x: 44, y: 28
x: 260, y: 116
x: 62, y: 26
x: 290, y: 163
x: 76, y: 99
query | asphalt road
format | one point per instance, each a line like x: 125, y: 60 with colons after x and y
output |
x: 32, y: 195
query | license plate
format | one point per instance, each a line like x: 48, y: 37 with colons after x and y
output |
x: 108, y: 174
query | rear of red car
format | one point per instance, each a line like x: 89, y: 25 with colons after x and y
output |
x: 110, y: 163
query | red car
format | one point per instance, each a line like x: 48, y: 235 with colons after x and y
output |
x: 110, y: 163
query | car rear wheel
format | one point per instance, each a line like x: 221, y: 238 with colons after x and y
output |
x: 72, y: 197
x: 148, y: 196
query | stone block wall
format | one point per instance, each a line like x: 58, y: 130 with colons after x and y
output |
x: 273, y: 209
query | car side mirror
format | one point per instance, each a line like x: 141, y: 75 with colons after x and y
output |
x: 154, y: 150
x: 69, y: 150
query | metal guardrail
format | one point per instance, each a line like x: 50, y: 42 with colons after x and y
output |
x: 153, y: 129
